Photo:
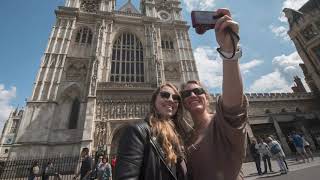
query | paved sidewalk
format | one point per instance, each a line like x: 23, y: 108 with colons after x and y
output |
x: 250, y: 171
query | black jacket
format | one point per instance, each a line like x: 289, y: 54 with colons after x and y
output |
x: 254, y: 152
x: 141, y: 158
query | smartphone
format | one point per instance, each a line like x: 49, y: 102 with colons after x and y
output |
x: 204, y: 20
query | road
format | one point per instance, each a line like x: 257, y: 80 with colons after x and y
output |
x: 311, y: 173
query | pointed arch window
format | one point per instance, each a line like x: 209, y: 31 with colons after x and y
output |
x: 74, y: 115
x: 127, y: 59
x: 84, y: 36
x: 166, y: 43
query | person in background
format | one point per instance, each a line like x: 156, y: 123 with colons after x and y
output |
x: 298, y: 144
x: 104, y: 170
x: 307, y: 147
x: 48, y: 171
x: 113, y: 161
x: 265, y: 154
x: 34, y: 171
x: 86, y: 165
x: 113, y: 164
x: 283, y: 157
x: 277, y: 154
x: 255, y: 155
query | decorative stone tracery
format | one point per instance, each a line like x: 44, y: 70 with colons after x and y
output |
x: 91, y: 6
x: 76, y: 71
x: 125, y: 108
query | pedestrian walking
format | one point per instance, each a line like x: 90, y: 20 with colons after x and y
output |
x: 48, y: 171
x: 298, y: 144
x: 104, y: 170
x: 265, y: 154
x: 277, y: 154
x: 255, y: 155
x: 34, y: 171
x: 86, y: 165
x: 307, y: 147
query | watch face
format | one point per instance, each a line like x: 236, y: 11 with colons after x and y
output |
x: 164, y: 15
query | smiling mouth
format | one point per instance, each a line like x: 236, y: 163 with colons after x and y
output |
x: 193, y: 102
x: 170, y: 107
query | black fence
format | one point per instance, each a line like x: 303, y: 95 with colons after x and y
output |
x: 20, y: 168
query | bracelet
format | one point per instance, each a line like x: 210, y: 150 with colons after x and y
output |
x: 231, y: 56
x: 224, y: 55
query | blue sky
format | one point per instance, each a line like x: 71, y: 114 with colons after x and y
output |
x: 268, y: 64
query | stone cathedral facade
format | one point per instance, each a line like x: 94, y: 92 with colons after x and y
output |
x: 98, y: 72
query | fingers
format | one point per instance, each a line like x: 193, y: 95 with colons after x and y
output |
x: 221, y: 20
x: 226, y: 21
x: 231, y: 24
x: 223, y: 11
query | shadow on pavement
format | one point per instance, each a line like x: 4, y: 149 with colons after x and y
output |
x: 270, y: 175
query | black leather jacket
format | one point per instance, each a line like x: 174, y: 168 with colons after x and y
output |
x: 141, y: 158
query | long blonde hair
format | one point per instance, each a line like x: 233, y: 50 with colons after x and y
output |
x: 167, y: 131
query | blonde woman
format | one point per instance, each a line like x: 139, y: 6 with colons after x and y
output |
x: 152, y: 150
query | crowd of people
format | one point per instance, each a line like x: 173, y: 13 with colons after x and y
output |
x: 263, y: 149
x: 99, y: 170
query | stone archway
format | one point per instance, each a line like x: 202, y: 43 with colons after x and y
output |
x: 115, y: 141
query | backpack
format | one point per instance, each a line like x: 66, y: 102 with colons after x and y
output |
x: 275, y: 149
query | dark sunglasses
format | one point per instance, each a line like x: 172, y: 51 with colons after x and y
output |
x: 196, y: 91
x: 166, y: 95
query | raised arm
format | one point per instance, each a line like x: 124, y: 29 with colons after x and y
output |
x: 232, y: 87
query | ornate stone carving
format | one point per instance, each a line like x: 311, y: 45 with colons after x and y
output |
x: 112, y: 85
x: 91, y: 6
x: 309, y: 32
x: 101, y: 134
x: 164, y: 5
x: 94, y: 78
x: 121, y: 110
x: 76, y: 70
x: 172, y: 71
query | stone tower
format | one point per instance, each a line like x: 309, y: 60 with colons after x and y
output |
x: 305, y: 33
x: 9, y: 132
x: 98, y: 72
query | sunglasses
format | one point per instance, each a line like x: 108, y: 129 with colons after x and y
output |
x: 196, y: 91
x: 166, y: 95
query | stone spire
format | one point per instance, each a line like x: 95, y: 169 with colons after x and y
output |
x: 298, y: 86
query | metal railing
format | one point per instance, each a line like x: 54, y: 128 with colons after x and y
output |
x: 20, y: 168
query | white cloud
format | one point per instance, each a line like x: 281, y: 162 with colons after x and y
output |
x: 292, y: 4
x: 5, y: 108
x: 272, y: 82
x: 209, y: 66
x: 245, y: 67
x: 281, y: 79
x: 280, y: 31
x: 199, y: 4
x: 288, y: 65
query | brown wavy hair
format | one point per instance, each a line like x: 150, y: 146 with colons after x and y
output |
x: 167, y: 131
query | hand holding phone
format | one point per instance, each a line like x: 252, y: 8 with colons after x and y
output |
x: 204, y: 20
